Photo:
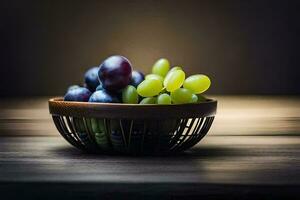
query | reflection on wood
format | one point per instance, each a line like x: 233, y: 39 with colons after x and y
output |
x: 248, y: 160
x: 257, y: 116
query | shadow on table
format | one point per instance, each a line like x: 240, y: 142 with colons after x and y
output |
x: 196, y: 152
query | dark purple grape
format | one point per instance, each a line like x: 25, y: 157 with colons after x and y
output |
x: 78, y: 94
x: 103, y: 96
x: 136, y: 78
x: 115, y: 73
x: 91, y: 78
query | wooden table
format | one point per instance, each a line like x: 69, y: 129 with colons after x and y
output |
x: 252, y: 151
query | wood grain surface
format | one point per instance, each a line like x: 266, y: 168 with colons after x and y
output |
x: 251, y: 152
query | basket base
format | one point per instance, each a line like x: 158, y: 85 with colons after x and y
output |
x: 132, y: 137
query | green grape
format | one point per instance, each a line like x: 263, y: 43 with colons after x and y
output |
x: 149, y: 88
x: 174, y: 80
x: 197, y: 83
x: 154, y: 76
x: 201, y: 98
x: 164, y: 99
x: 130, y: 95
x: 181, y: 95
x: 148, y: 100
x: 175, y: 68
x: 194, y: 98
x: 161, y: 67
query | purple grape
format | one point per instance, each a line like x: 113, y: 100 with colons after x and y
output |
x: 72, y: 87
x: 115, y: 73
x: 78, y: 94
x: 91, y: 78
x: 103, y: 96
x: 136, y: 78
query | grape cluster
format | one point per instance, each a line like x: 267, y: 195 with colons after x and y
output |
x: 114, y: 81
x: 170, y: 86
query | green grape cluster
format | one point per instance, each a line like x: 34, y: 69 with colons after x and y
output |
x: 166, y: 85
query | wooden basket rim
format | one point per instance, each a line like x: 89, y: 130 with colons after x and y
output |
x: 57, y: 106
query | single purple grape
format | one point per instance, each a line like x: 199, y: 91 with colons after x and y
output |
x: 91, y: 78
x: 103, y: 96
x: 115, y: 73
x: 78, y: 94
x: 136, y: 78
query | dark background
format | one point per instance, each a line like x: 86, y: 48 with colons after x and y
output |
x: 246, y: 47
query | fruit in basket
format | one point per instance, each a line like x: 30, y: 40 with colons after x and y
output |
x: 181, y: 95
x: 91, y: 78
x: 149, y: 129
x: 103, y: 96
x: 115, y: 73
x: 148, y: 100
x: 136, y: 78
x: 98, y: 129
x: 97, y: 125
x: 73, y: 87
x: 175, y: 68
x: 194, y: 98
x: 174, y: 80
x: 130, y: 95
x: 161, y: 67
x: 78, y: 94
x: 197, y: 83
x: 149, y: 88
x: 164, y: 99
x: 115, y: 81
x: 154, y: 76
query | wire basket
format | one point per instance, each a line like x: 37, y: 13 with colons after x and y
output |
x: 132, y: 128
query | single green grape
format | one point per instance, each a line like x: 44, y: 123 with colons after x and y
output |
x: 164, y: 99
x: 161, y: 67
x: 175, y: 68
x: 149, y: 88
x: 181, y: 95
x: 130, y: 95
x: 148, y: 100
x: 154, y: 76
x: 197, y: 83
x: 174, y: 80
x: 194, y: 98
